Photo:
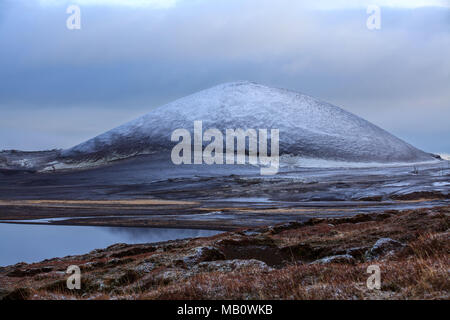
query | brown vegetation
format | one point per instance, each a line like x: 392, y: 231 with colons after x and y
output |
x: 290, y: 261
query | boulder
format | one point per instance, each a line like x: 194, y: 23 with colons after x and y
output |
x: 382, y: 248
x: 202, y: 254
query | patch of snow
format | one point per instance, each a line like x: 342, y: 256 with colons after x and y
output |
x: 23, y: 163
x: 398, y: 184
x: 441, y: 184
x: 343, y: 258
x: 231, y: 265
x: 290, y: 161
x: 444, y: 156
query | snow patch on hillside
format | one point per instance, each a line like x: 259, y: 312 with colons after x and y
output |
x: 289, y: 161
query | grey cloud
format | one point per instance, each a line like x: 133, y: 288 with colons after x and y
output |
x: 129, y: 61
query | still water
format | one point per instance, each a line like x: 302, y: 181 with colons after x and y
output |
x: 33, y: 243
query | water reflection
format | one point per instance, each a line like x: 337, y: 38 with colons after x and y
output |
x: 158, y: 234
x: 33, y: 243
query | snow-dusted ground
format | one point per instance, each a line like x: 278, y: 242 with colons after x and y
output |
x: 289, y: 161
x: 294, y: 194
x: 155, y: 176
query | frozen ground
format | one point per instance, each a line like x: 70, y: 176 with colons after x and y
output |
x: 223, y: 197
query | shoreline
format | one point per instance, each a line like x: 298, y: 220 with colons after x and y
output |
x: 159, y: 226
x: 321, y: 258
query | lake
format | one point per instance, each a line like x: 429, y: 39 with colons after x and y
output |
x: 34, y: 243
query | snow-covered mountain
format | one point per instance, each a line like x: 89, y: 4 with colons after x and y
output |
x: 308, y: 127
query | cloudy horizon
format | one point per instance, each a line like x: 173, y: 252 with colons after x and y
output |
x: 61, y: 87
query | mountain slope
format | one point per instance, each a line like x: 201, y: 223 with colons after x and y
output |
x: 308, y: 127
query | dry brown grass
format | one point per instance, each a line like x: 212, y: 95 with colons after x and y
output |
x: 422, y: 275
x: 420, y: 270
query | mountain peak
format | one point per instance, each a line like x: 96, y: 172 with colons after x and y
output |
x: 308, y: 127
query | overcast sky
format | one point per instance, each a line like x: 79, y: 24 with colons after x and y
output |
x: 59, y: 87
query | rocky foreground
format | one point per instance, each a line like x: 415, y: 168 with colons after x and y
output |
x: 317, y: 259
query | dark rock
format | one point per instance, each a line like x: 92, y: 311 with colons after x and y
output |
x: 382, y: 216
x: 263, y: 249
x: 133, y: 252
x: 287, y: 226
x: 371, y: 198
x: 357, y: 252
x: 421, y: 195
x: 17, y: 294
x: 29, y: 272
x: 304, y: 252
